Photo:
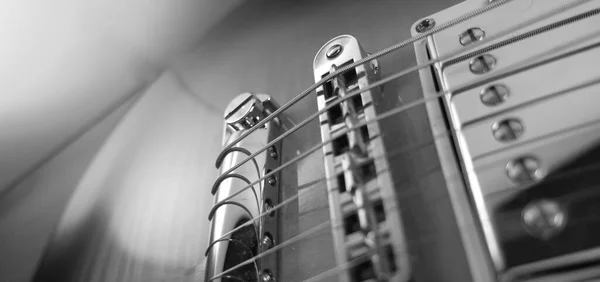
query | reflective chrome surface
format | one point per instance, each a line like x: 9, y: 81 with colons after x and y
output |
x: 360, y: 188
x: 241, y: 114
x: 518, y: 135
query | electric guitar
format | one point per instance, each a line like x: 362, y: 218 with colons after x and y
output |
x: 475, y: 161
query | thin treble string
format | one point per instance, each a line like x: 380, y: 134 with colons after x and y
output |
x: 408, y: 71
x: 420, y: 101
x: 353, y: 65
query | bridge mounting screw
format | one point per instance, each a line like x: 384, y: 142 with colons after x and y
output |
x: 471, y: 35
x: 482, y: 64
x: 507, y: 130
x: 494, y: 95
x: 544, y: 218
x: 334, y: 51
x: 524, y: 170
x: 425, y: 25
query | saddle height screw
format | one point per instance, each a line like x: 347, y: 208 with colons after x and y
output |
x: 482, y: 64
x: 507, y: 130
x: 334, y: 51
x: 544, y: 218
x: 524, y: 170
x: 471, y: 35
x: 425, y: 25
x: 494, y: 95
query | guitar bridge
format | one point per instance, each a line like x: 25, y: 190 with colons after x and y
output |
x: 367, y: 227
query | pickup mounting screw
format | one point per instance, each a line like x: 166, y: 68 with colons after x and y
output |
x: 471, y: 35
x: 544, y: 218
x: 494, y: 95
x: 334, y: 51
x: 425, y: 25
x: 524, y: 170
x: 507, y: 130
x: 482, y: 64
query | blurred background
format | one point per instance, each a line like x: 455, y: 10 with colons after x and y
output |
x: 66, y: 66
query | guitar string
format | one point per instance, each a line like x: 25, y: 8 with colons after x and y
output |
x: 364, y: 257
x: 390, y: 112
x: 353, y: 65
x: 385, y: 115
x: 549, y: 178
x: 398, y: 152
x: 319, y: 227
x: 392, y: 77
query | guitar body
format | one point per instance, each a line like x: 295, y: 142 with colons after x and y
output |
x: 268, y: 47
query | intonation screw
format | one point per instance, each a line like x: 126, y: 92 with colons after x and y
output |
x: 425, y: 25
x: 544, y: 218
x: 267, y: 276
x: 494, y: 95
x: 273, y: 152
x: 267, y: 241
x: 334, y: 51
x: 471, y: 35
x: 524, y: 170
x: 482, y: 64
x: 507, y: 130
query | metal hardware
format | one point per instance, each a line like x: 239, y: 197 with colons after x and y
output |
x: 241, y: 114
x: 272, y: 180
x: 471, y: 35
x: 507, y: 130
x: 267, y: 241
x: 355, y: 178
x: 267, y: 206
x: 267, y: 276
x: 505, y: 178
x: 524, y: 170
x: 482, y: 64
x: 334, y: 51
x: 494, y: 95
x: 425, y: 25
x: 273, y: 152
x: 244, y: 112
x: 544, y: 218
